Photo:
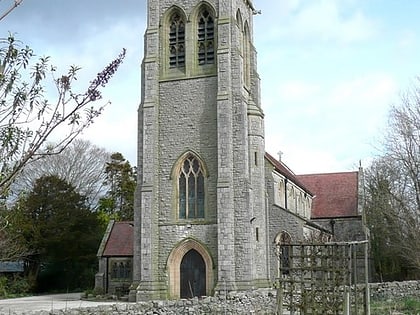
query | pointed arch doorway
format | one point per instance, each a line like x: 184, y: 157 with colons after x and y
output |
x: 190, y: 270
x: 192, y: 275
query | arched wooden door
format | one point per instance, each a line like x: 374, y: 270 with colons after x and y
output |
x: 192, y: 275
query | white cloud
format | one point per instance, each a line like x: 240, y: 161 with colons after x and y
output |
x: 407, y: 40
x: 116, y: 128
x: 329, y: 69
x: 372, y: 88
x: 328, y: 126
x: 337, y: 21
x: 115, y: 132
x: 304, y: 159
x: 362, y: 103
x: 294, y: 91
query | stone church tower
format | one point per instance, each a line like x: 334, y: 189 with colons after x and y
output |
x: 200, y: 216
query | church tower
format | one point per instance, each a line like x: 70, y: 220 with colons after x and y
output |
x: 200, y: 216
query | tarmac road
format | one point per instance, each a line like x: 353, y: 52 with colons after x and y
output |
x: 46, y: 303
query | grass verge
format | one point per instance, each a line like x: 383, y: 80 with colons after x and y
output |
x: 397, y: 306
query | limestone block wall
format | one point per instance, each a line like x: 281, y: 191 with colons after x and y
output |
x: 345, y: 229
x: 279, y: 220
x: 251, y: 302
x: 188, y: 123
x: 391, y: 290
x: 282, y: 220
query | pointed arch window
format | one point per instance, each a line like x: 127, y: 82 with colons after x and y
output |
x: 247, y: 56
x: 176, y: 41
x: 191, y: 189
x: 121, y: 269
x: 284, y: 250
x: 241, y: 34
x: 205, y: 38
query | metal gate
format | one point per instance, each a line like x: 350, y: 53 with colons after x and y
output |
x: 327, y: 278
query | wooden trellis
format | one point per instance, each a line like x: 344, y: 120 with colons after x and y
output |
x: 327, y: 278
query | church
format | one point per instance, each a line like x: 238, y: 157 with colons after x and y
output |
x: 211, y: 204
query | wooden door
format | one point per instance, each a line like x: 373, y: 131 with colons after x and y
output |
x: 192, y: 275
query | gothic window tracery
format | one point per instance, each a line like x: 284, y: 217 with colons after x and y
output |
x: 205, y: 40
x: 191, y: 189
x: 176, y: 41
x: 121, y: 270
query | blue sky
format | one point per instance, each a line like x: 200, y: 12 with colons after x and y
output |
x: 329, y: 69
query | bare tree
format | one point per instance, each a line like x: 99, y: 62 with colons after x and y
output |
x: 81, y: 164
x: 11, y: 248
x: 393, y: 186
x: 9, y: 8
x: 28, y: 120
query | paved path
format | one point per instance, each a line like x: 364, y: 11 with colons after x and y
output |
x: 46, y: 303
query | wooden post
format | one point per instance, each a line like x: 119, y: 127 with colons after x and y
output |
x: 346, y: 301
x: 279, y: 298
x: 367, y: 291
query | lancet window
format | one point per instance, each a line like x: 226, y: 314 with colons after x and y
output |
x: 121, y: 270
x: 191, y: 189
x: 205, y: 38
x: 176, y: 41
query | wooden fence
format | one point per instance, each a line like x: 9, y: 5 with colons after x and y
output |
x: 327, y: 278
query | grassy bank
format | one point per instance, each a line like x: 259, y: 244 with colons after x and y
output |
x: 403, y: 306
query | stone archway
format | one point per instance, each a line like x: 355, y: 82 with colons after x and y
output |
x: 189, y: 252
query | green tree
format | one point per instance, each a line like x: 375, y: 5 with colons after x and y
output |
x: 121, y: 179
x: 28, y: 120
x: 61, y: 234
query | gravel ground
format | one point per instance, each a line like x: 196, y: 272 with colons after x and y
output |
x: 47, y: 303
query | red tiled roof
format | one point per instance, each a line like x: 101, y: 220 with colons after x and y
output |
x: 336, y: 194
x: 286, y: 172
x: 120, y: 240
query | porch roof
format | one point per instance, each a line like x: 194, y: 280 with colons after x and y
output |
x: 120, y: 240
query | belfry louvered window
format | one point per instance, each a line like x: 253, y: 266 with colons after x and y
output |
x: 176, y: 42
x: 191, y: 189
x: 205, y: 38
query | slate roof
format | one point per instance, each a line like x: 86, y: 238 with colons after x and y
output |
x: 286, y: 172
x: 11, y: 266
x: 120, y: 240
x: 336, y: 194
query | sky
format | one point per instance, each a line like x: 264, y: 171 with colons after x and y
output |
x: 329, y: 69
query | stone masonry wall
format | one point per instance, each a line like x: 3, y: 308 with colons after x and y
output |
x: 262, y: 302
x: 390, y: 290
x: 251, y: 302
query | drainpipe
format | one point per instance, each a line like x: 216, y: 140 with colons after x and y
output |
x: 332, y: 223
